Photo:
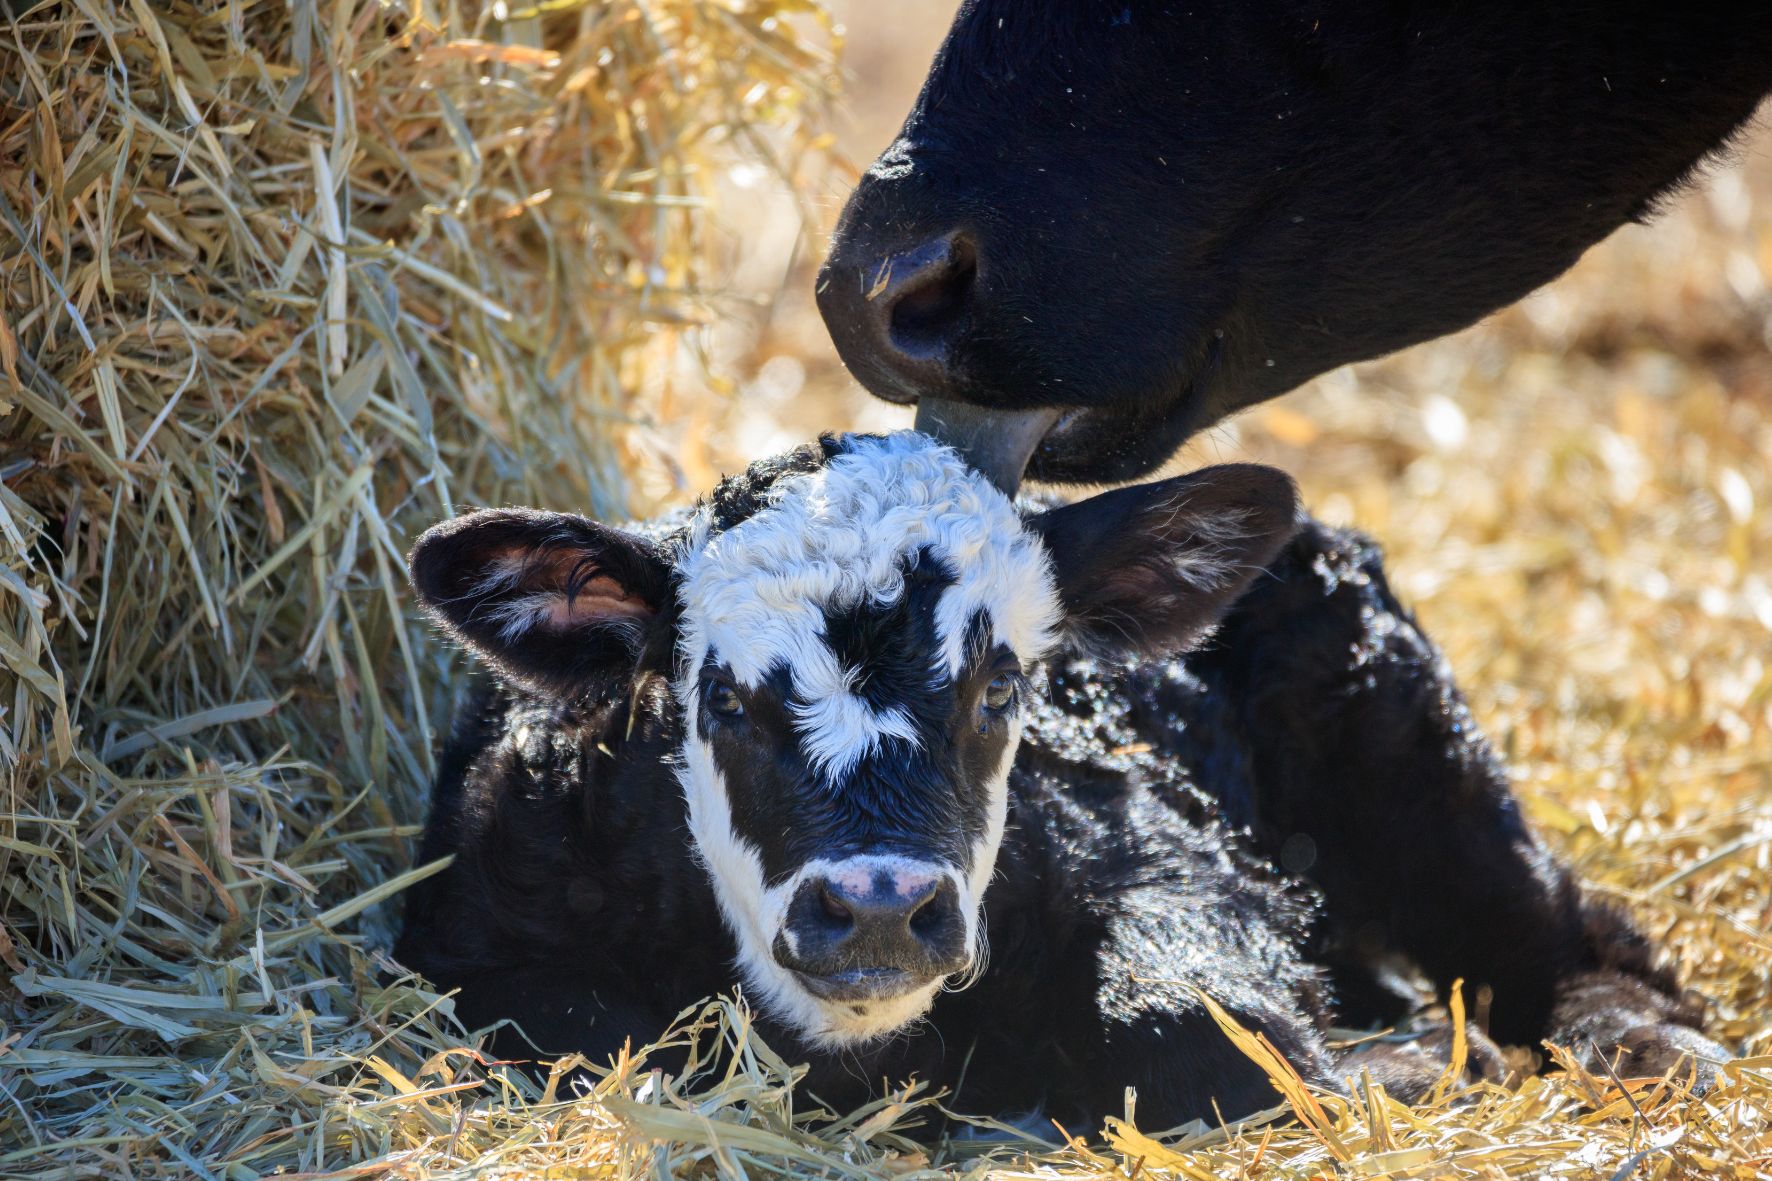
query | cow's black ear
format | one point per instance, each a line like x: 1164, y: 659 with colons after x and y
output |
x: 551, y: 600
x: 1144, y: 571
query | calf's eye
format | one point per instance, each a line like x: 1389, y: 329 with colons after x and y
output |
x: 1000, y: 692
x: 722, y: 700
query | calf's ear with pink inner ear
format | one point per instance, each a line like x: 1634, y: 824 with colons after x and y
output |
x: 550, y: 600
x: 1145, y: 571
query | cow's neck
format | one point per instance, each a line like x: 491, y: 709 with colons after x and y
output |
x: 1512, y: 138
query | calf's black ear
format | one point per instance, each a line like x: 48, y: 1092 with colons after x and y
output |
x: 551, y: 600
x: 1144, y: 571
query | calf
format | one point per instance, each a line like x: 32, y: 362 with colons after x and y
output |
x: 923, y: 773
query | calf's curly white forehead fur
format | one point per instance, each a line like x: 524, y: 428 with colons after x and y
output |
x: 755, y: 598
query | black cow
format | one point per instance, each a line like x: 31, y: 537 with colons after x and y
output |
x: 1109, y: 223
x: 921, y: 772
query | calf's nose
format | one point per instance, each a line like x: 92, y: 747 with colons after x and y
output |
x: 897, y: 318
x: 861, y: 927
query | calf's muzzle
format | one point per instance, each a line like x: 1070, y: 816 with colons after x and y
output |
x: 866, y: 932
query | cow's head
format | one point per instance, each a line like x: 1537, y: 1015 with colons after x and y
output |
x: 1106, y: 225
x: 849, y: 632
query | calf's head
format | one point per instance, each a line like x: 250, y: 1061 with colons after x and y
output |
x: 847, y: 631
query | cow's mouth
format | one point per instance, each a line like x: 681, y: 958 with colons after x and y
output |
x: 861, y: 984
x: 1071, y: 444
x: 1065, y: 444
x: 996, y: 443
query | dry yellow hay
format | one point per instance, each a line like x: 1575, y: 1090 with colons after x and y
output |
x: 282, y: 282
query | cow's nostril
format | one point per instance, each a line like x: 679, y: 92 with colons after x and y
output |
x: 900, y: 316
x: 929, y: 306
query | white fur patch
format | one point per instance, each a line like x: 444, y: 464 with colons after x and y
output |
x: 838, y: 537
x: 837, y: 727
x: 856, y: 875
x: 520, y: 614
x: 984, y: 850
x: 755, y: 597
x: 1210, y: 562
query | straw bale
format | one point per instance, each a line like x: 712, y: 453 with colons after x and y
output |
x: 281, y: 283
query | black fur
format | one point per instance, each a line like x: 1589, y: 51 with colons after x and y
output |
x: 1159, y: 212
x: 1151, y: 810
x: 1116, y: 555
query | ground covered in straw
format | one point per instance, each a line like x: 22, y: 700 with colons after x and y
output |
x: 281, y: 283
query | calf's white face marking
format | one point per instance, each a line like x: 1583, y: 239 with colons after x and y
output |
x: 755, y: 600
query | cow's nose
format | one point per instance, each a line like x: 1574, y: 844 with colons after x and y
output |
x: 896, y: 319
x: 864, y: 933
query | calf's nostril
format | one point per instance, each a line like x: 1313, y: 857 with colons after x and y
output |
x: 929, y: 916
x: 934, y: 914
x: 833, y: 906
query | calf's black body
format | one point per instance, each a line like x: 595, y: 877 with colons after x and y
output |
x: 1152, y: 814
